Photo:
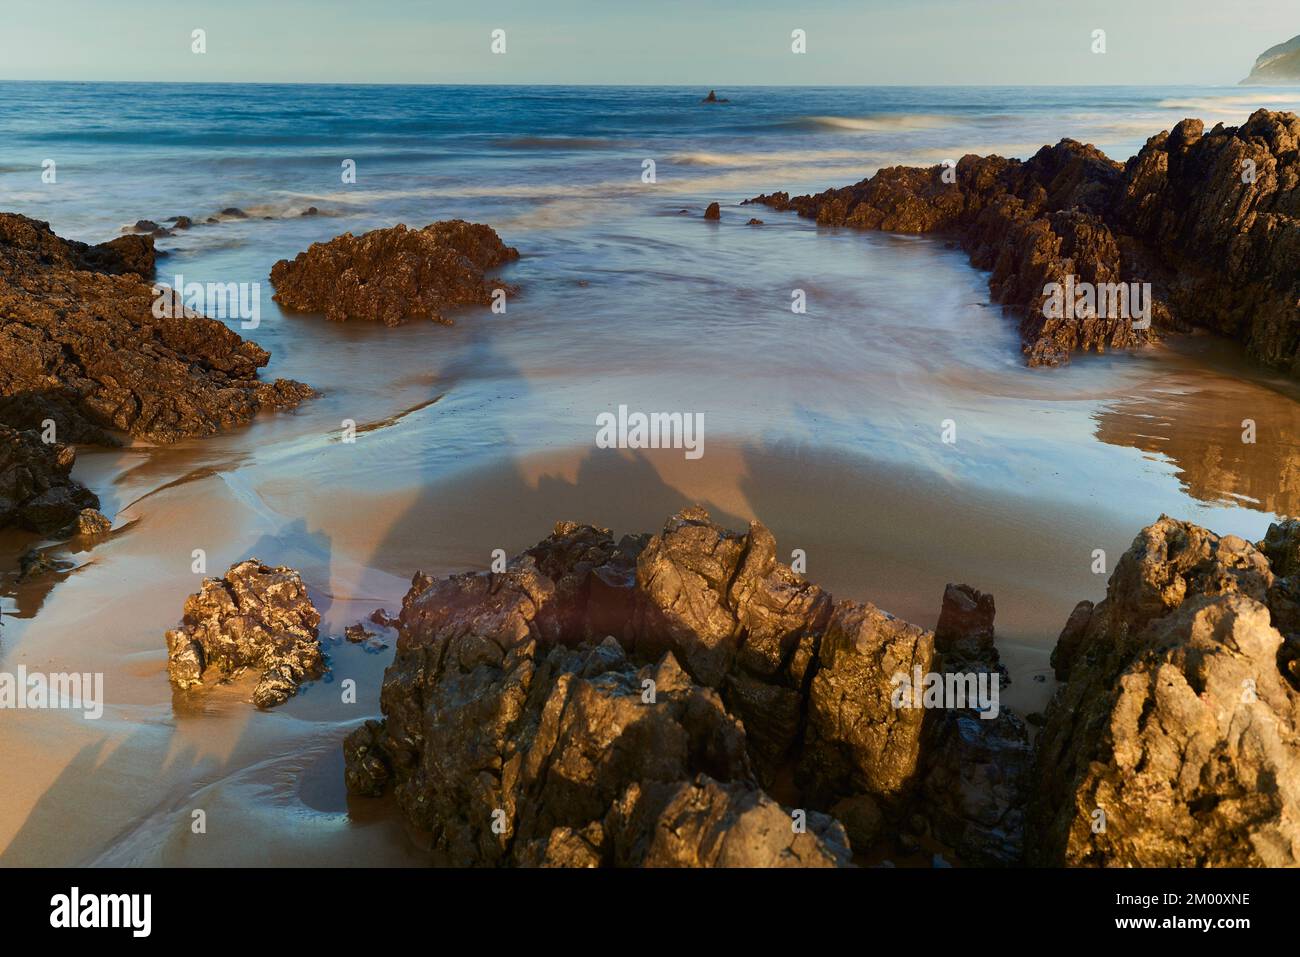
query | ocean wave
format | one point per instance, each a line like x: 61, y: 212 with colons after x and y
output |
x: 770, y: 158
x: 1233, y: 102
x: 877, y: 123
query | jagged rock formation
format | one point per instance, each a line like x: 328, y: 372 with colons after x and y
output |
x: 1276, y: 66
x: 964, y: 632
x: 391, y: 275
x: 36, y: 490
x: 255, y: 617
x: 514, y: 733
x: 632, y: 702
x: 1176, y: 740
x: 80, y: 346
x: 1210, y: 220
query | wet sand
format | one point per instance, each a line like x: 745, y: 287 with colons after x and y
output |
x: 124, y: 789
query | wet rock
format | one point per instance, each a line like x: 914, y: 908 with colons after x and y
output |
x: 256, y: 617
x: 357, y: 633
x: 81, y: 345
x: 391, y: 275
x: 91, y: 524
x: 624, y: 702
x: 754, y: 222
x: 380, y: 617
x: 234, y: 212
x: 1218, y: 208
x: 149, y: 228
x: 37, y: 492
x: 1217, y: 244
x: 965, y: 631
x: 181, y: 222
x: 714, y: 98
x: 1174, y: 741
x: 366, y: 771
x: 713, y: 211
x: 310, y: 211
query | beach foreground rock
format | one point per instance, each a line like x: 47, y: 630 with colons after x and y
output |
x: 1210, y: 220
x: 391, y: 275
x: 640, y: 701
x: 255, y: 617
x: 80, y: 346
x: 1176, y: 739
x: 685, y: 699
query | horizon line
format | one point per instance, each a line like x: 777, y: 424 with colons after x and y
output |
x: 672, y: 86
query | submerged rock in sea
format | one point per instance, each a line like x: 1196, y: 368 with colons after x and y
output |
x: 81, y: 346
x: 256, y: 617
x: 37, y: 492
x: 1209, y: 220
x: 633, y: 701
x: 1176, y: 739
x: 391, y: 275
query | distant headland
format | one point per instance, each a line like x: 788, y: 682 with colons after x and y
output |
x: 1277, y: 65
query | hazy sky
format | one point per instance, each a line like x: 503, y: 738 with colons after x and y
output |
x: 705, y: 43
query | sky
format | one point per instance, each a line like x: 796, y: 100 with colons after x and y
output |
x: 702, y: 43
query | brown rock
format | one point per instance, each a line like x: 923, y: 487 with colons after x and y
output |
x: 708, y: 824
x: 256, y: 617
x: 391, y: 275
x: 1210, y: 220
x: 80, y: 345
x: 965, y: 627
x: 514, y: 733
x: 857, y: 742
x: 37, y: 492
x: 1177, y: 723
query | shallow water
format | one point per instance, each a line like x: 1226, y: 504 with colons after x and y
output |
x: 827, y: 426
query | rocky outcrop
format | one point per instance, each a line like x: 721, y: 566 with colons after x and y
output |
x: 978, y: 762
x: 1277, y: 66
x: 391, y: 275
x: 256, y: 617
x: 1210, y: 220
x: 80, y: 346
x: 713, y: 211
x: 1176, y: 739
x: 36, y: 490
x: 1221, y: 210
x: 964, y: 633
x: 644, y: 701
x: 637, y: 701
